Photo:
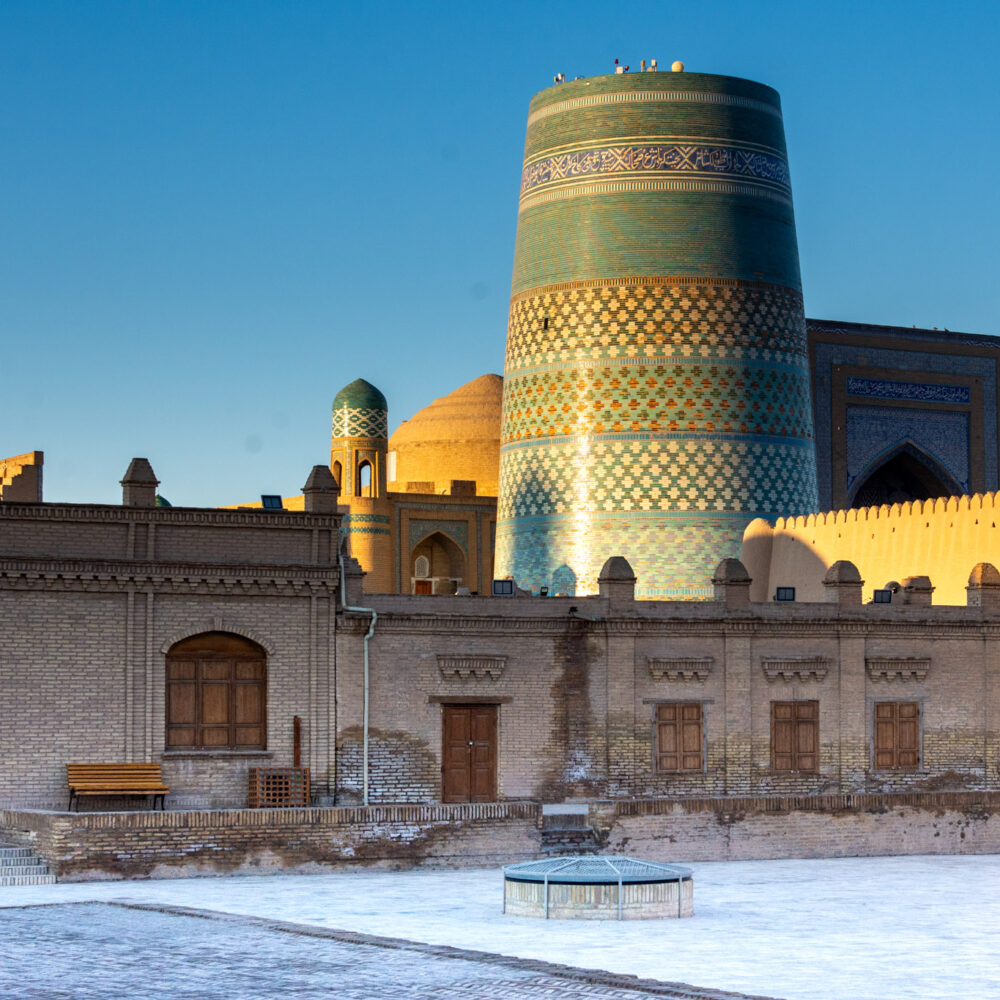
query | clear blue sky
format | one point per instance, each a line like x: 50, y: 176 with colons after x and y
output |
x: 215, y: 214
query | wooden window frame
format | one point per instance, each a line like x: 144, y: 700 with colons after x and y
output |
x: 804, y: 716
x: 894, y: 721
x: 200, y: 659
x: 681, y: 754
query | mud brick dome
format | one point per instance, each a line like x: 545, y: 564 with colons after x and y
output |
x: 656, y: 394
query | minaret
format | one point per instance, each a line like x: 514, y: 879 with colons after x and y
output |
x: 656, y: 392
x: 359, y: 448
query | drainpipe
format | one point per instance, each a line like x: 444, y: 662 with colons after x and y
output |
x: 368, y: 635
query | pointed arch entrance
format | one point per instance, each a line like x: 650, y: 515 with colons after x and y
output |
x: 437, y: 565
x: 903, y: 474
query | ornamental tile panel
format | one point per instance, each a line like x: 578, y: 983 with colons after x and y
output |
x: 457, y: 531
x: 659, y: 157
x: 364, y: 423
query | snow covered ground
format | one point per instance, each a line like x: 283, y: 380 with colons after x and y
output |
x: 926, y: 928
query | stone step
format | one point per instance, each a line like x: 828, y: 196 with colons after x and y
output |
x: 48, y: 879
x: 567, y: 836
x: 7, y: 852
x: 569, y: 840
x: 32, y: 866
x: 566, y: 821
x: 21, y: 866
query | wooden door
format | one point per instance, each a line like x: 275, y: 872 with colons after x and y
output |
x: 469, y: 753
x: 423, y: 587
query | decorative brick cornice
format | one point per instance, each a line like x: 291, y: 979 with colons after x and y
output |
x: 912, y: 668
x: 480, y: 667
x: 214, y: 516
x: 681, y: 669
x: 181, y: 578
x: 393, y: 618
x: 813, y: 669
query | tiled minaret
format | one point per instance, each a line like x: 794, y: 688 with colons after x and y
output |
x: 358, y: 455
x: 656, y: 394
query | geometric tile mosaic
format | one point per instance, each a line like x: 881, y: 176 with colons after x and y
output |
x: 457, y: 531
x: 658, y: 157
x: 757, y: 478
x: 872, y: 432
x: 360, y: 422
x: 673, y: 557
x: 668, y: 318
x: 651, y: 418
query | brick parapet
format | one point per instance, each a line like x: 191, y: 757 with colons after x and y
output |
x: 154, y: 844
x: 81, y: 847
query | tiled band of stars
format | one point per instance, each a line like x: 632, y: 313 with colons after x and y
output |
x: 652, y: 420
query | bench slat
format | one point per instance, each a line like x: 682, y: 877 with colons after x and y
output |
x: 115, y: 779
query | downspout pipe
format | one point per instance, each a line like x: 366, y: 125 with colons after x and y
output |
x: 365, y: 697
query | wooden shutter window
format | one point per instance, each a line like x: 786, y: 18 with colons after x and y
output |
x: 795, y: 736
x: 216, y: 695
x: 679, y: 737
x: 897, y: 735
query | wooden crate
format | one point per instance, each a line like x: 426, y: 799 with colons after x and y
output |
x: 277, y: 787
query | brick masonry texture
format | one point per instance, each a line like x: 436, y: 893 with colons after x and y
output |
x: 166, y: 845
x: 576, y: 684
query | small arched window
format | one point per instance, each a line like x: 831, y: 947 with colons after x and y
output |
x: 216, y: 694
x: 338, y: 471
x: 422, y: 567
x: 364, y: 488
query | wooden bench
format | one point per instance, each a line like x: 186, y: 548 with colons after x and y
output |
x: 115, y: 780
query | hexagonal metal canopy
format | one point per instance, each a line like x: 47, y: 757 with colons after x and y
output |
x: 595, y: 870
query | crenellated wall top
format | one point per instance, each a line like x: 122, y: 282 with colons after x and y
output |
x: 941, y: 505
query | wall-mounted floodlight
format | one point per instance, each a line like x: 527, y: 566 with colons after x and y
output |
x: 881, y: 597
x: 784, y: 594
x: 503, y: 588
x: 271, y: 501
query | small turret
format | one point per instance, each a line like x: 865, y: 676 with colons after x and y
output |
x: 139, y: 484
x: 360, y: 440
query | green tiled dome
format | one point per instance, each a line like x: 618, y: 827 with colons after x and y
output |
x: 360, y: 395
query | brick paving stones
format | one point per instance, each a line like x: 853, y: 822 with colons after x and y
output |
x: 102, y: 951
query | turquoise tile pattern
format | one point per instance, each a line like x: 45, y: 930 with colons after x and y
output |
x: 656, y: 394
x: 360, y: 410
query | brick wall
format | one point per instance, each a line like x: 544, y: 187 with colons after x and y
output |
x: 829, y: 826
x: 21, y: 478
x: 91, y: 600
x: 79, y: 847
x: 163, y: 845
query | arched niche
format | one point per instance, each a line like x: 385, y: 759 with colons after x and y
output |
x: 902, y: 474
x: 366, y: 479
x: 441, y: 565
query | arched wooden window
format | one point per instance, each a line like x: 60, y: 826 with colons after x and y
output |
x: 216, y: 694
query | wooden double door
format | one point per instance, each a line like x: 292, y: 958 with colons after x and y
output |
x: 469, y: 753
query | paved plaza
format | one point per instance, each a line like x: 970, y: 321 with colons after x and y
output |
x: 102, y: 951
x: 908, y: 928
